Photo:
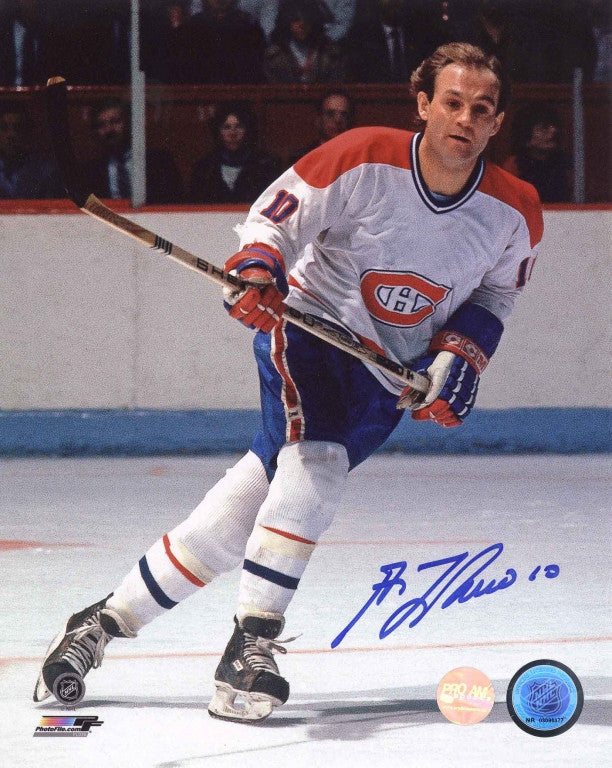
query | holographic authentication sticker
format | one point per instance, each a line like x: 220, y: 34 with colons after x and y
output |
x: 545, y: 698
x: 465, y: 696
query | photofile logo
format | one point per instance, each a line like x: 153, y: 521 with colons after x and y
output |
x: 66, y: 726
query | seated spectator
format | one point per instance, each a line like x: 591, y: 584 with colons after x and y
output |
x: 537, y: 157
x: 264, y: 12
x: 335, y: 115
x: 23, y: 42
x: 24, y: 174
x: 220, y: 44
x: 300, y: 51
x: 110, y: 176
x: 235, y: 171
x: 387, y: 41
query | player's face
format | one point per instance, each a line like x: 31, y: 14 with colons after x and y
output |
x: 460, y: 118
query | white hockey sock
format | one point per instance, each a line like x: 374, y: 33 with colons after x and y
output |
x: 210, y: 541
x: 300, y: 505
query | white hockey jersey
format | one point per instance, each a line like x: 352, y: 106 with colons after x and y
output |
x: 370, y: 248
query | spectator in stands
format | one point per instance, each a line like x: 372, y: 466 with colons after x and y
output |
x: 335, y: 115
x: 299, y: 50
x: 343, y: 13
x: 24, y: 174
x: 23, y: 43
x: 89, y: 42
x: 235, y: 171
x: 568, y: 40
x: 545, y: 42
x: 161, y: 28
x: 110, y: 176
x: 443, y: 21
x: 598, y: 15
x: 537, y: 156
x: 264, y: 12
x: 506, y: 31
x: 541, y: 41
x: 387, y: 41
x: 220, y: 44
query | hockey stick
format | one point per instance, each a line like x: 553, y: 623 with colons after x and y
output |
x: 57, y: 111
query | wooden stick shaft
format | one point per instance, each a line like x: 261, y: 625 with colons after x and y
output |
x: 57, y: 109
x: 307, y: 322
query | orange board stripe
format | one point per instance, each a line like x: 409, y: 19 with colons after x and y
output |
x: 9, y: 544
x: 349, y: 649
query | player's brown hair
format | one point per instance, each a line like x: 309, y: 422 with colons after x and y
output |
x: 424, y: 76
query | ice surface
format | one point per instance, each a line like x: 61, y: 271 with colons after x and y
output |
x: 369, y: 702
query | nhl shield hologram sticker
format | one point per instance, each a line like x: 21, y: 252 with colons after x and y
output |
x: 545, y: 698
x: 465, y: 696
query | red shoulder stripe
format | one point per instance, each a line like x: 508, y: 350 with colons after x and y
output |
x: 322, y: 166
x: 518, y: 194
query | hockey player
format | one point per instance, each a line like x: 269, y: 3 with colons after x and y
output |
x: 418, y: 247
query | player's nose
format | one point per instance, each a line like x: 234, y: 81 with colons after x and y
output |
x: 464, y: 116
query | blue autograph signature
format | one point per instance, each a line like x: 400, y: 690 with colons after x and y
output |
x: 466, y: 589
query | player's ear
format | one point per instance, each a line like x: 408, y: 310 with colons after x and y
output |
x: 498, y: 121
x: 422, y: 105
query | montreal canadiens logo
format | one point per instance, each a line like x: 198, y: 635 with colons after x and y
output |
x: 400, y: 298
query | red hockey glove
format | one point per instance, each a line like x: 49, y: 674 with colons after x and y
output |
x: 259, y: 306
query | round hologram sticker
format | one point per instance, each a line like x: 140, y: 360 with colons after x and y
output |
x: 465, y: 696
x: 545, y: 698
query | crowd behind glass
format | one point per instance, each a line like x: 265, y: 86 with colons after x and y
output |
x: 337, y: 43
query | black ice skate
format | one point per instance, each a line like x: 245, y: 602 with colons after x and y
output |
x: 75, y: 650
x: 247, y: 670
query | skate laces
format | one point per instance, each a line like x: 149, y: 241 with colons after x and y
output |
x: 259, y: 651
x: 86, y: 649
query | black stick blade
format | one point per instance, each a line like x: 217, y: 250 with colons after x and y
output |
x: 57, y: 118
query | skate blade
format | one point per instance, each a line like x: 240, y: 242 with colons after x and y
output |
x: 253, y: 707
x: 41, y: 692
